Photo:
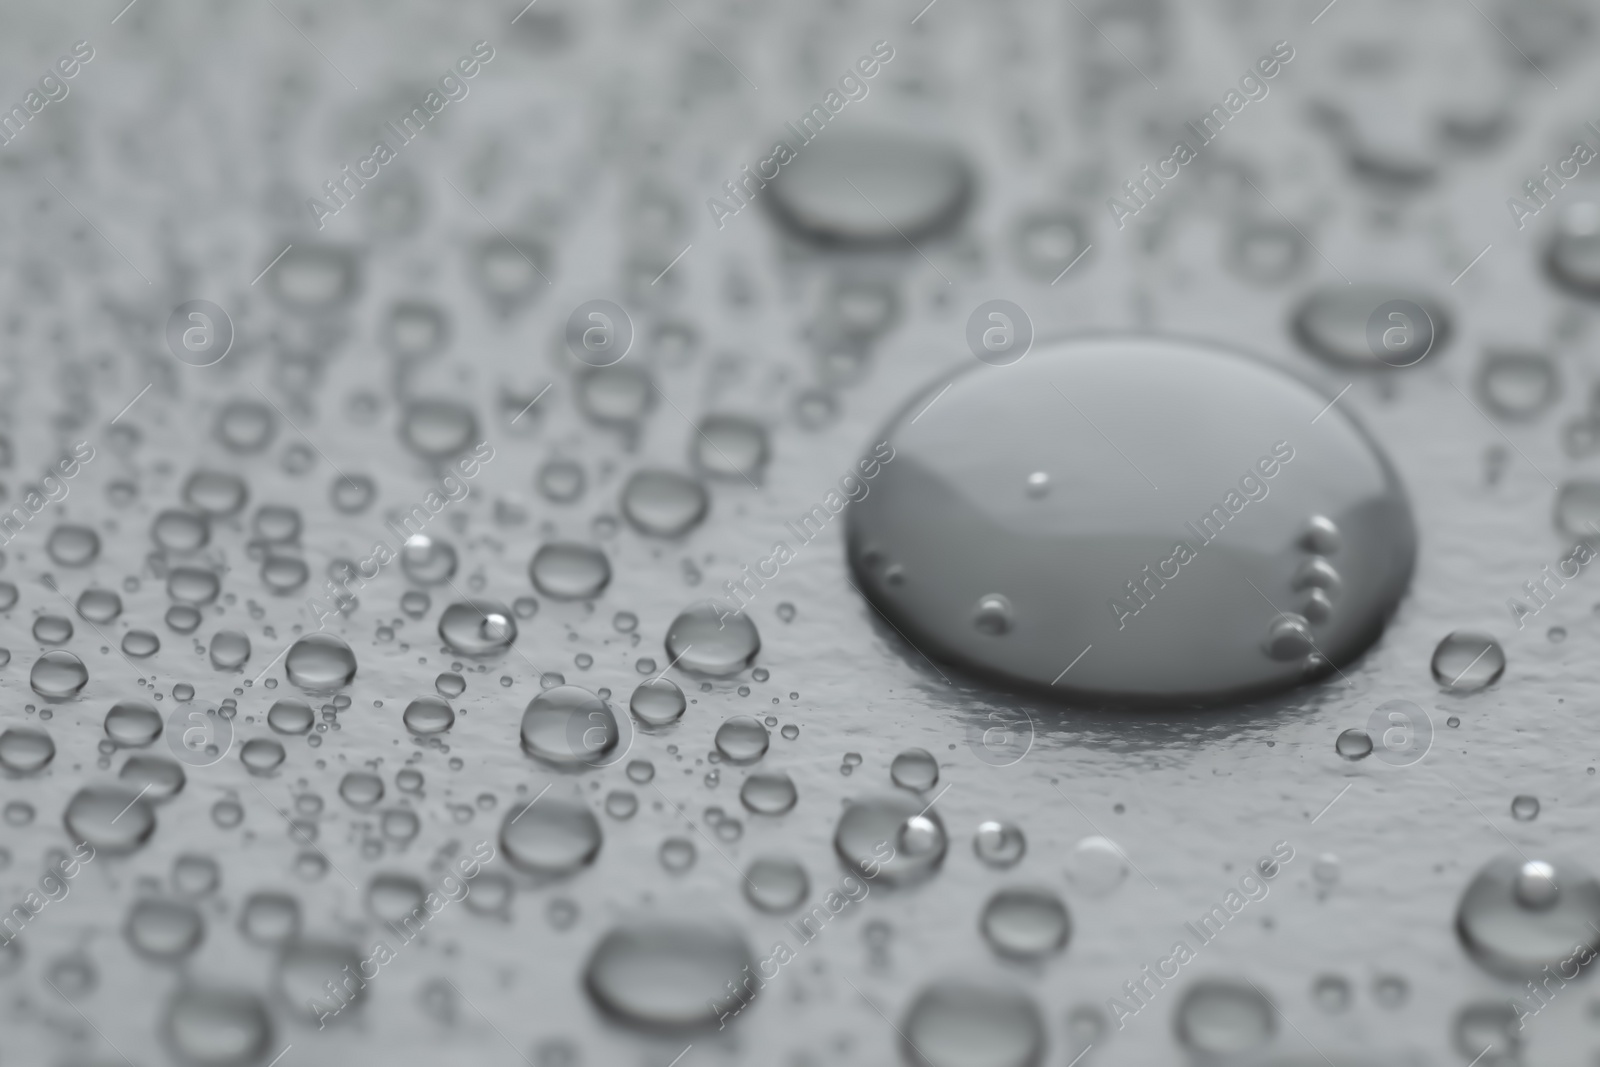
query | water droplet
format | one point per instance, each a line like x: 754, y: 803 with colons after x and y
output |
x: 164, y: 930
x: 1331, y: 993
x: 113, y: 820
x: 1222, y: 1018
x: 360, y: 789
x: 315, y: 279
x: 261, y: 755
x: 1096, y: 866
x: 728, y: 446
x: 1518, y: 915
x: 217, y: 1027
x: 915, y: 768
x: 428, y: 715
x: 1160, y: 585
x: 1518, y: 385
x: 707, y: 640
x: 769, y: 794
x: 73, y: 546
x: 230, y: 649
x: 58, y: 675
x: 140, y: 643
x: 24, y: 749
x: 657, y: 702
x: 435, y: 429
x: 1524, y: 808
x: 1466, y: 662
x: 1353, y: 744
x: 245, y: 426
x: 776, y: 884
x: 320, y: 663
x: 570, y: 727
x: 956, y: 1023
x: 999, y: 844
x: 306, y: 971
x: 565, y: 570
x: 130, y: 724
x: 677, y: 854
x: 1573, y: 255
x: 1025, y: 923
x: 869, y: 838
x: 834, y: 191
x: 666, y: 975
x: 741, y: 739
x: 269, y: 918
x: 1335, y: 323
x: 664, y: 504
x: 99, y: 606
x: 215, y: 493
x: 427, y: 561
x: 551, y: 836
x: 478, y: 627
x: 289, y: 717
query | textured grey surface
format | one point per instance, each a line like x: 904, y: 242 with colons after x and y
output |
x: 179, y: 166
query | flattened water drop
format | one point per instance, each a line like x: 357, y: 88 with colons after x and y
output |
x: 1221, y: 1018
x: 663, y: 504
x: 957, y: 1023
x: 1025, y: 923
x: 776, y: 884
x: 216, y: 1026
x: 1114, y: 589
x: 566, y: 570
x: 731, y: 447
x: 666, y: 975
x: 871, y: 188
x: 1350, y: 325
x: 112, y: 819
x: 551, y: 836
